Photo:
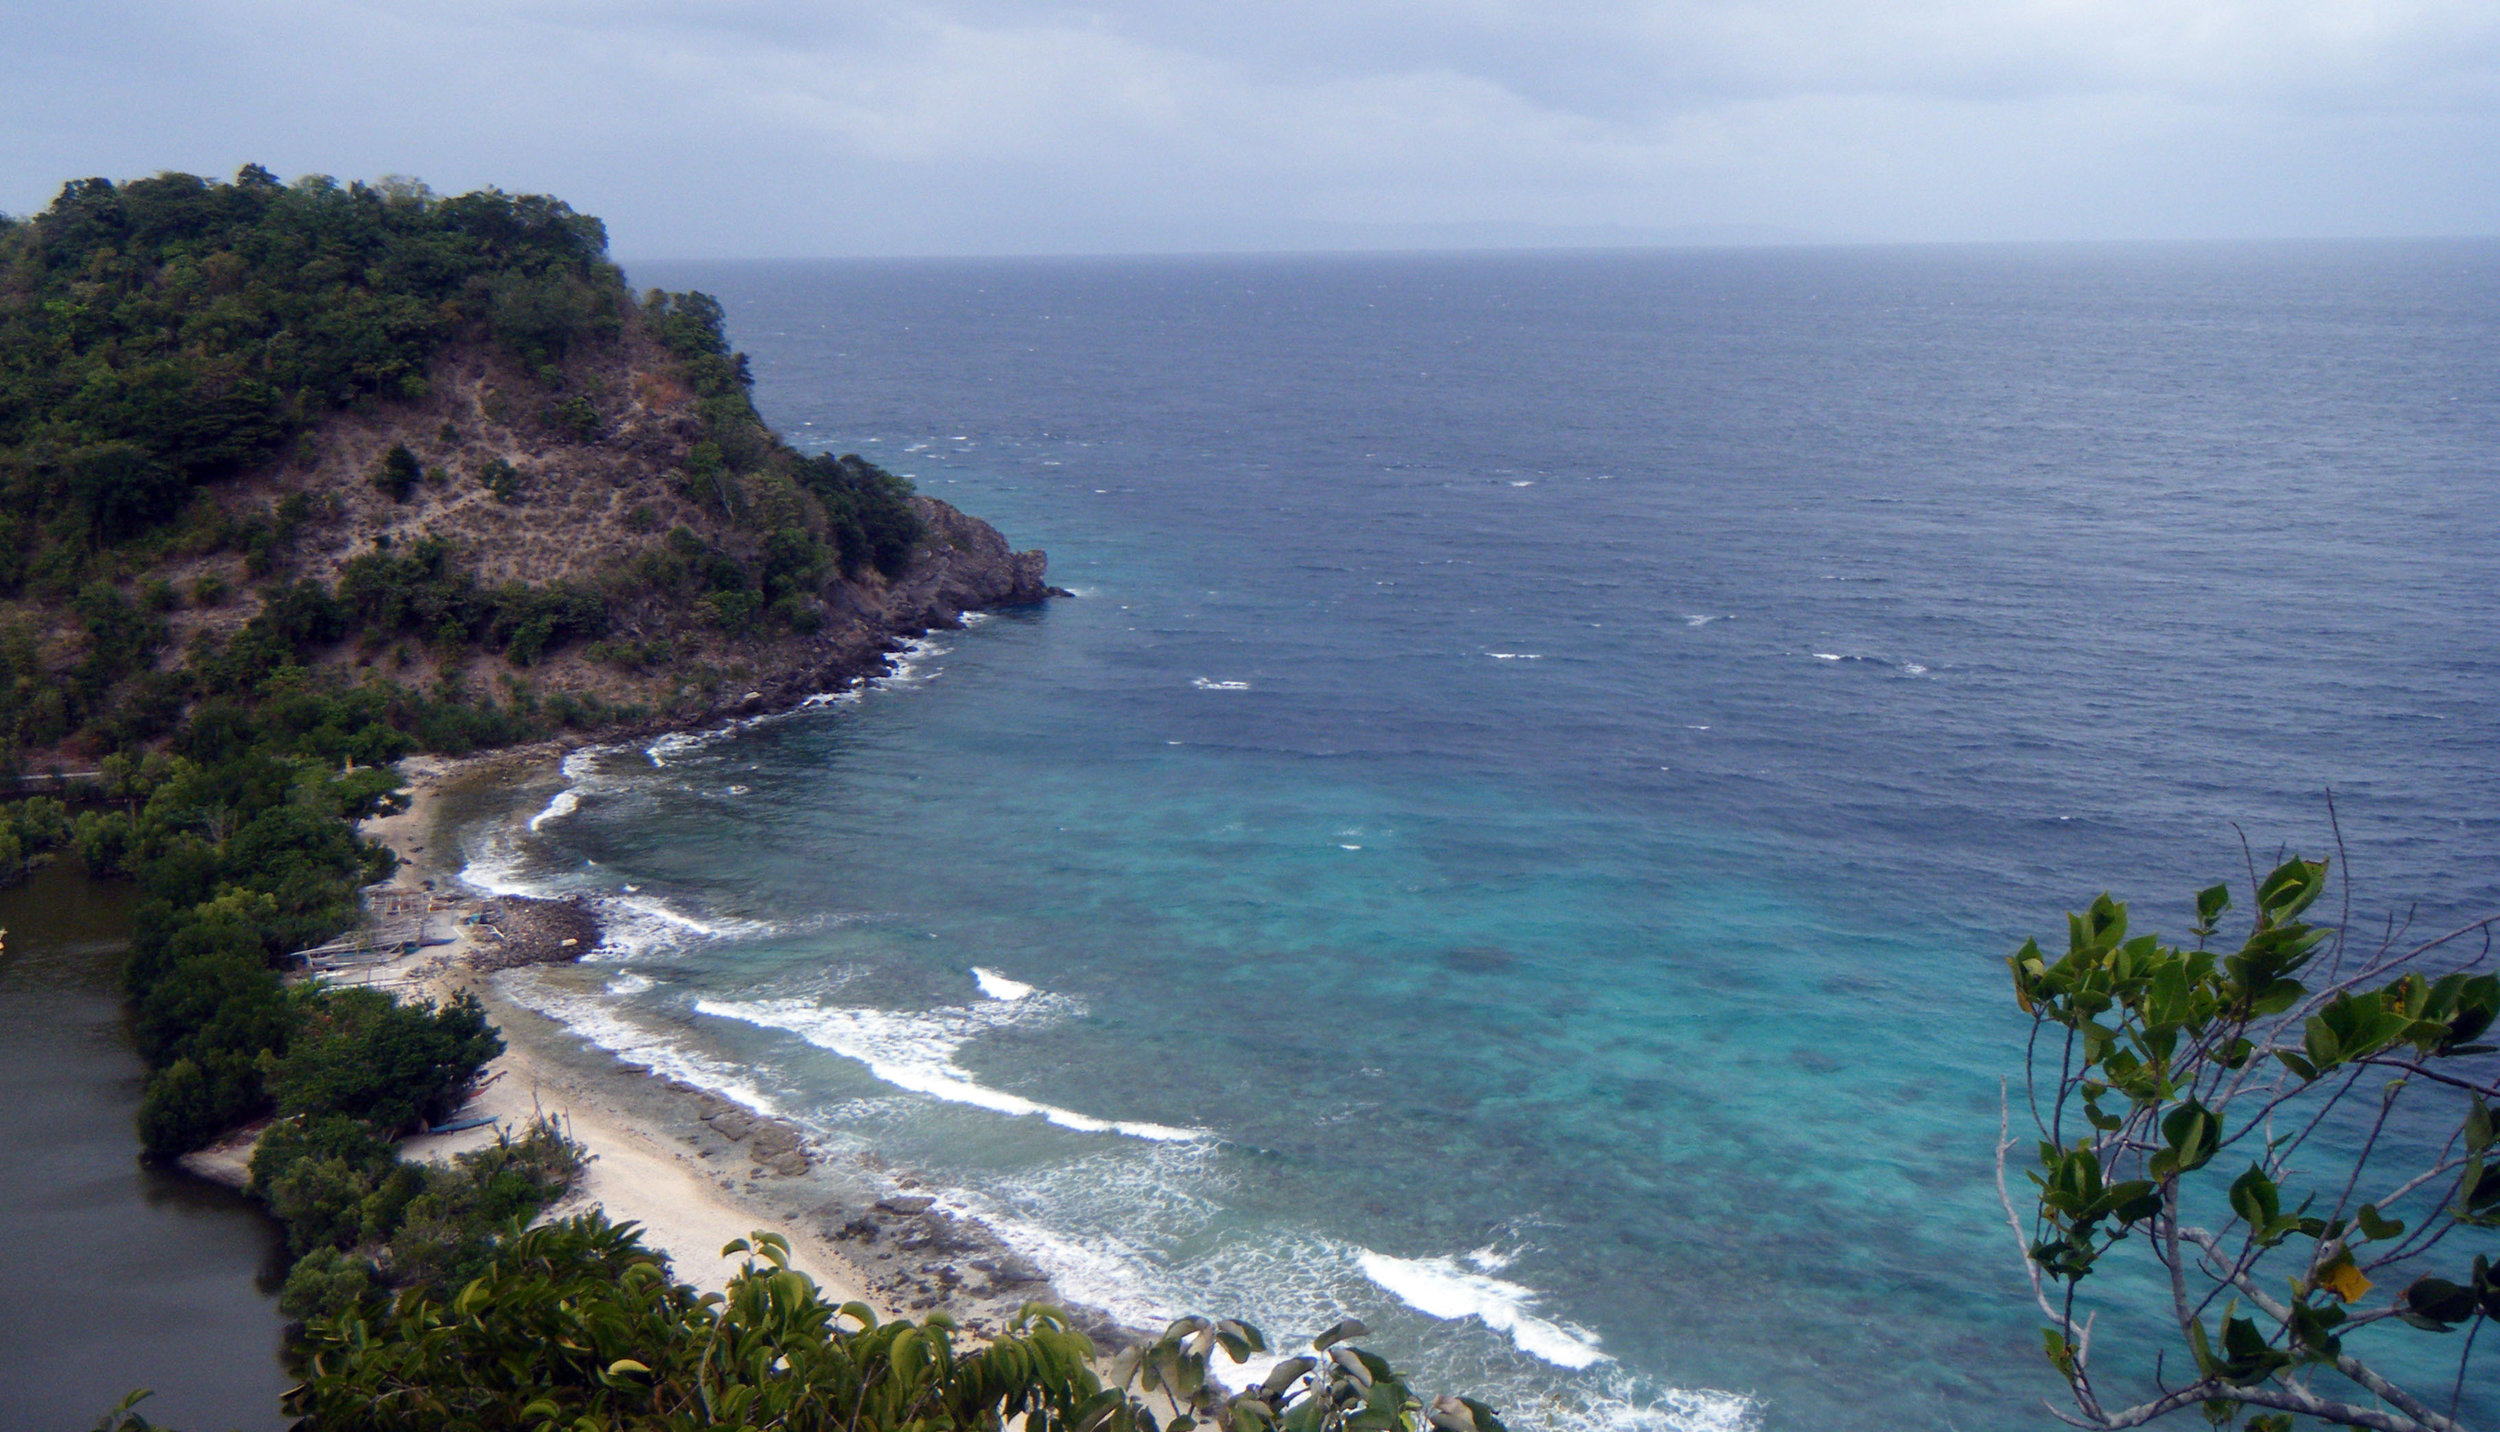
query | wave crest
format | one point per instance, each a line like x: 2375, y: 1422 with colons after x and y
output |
x: 1441, y: 1288
x: 915, y: 1050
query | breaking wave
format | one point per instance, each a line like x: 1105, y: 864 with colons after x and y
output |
x: 1441, y: 1288
x: 915, y: 1050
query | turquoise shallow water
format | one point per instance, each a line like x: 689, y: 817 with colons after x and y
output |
x: 1515, y: 836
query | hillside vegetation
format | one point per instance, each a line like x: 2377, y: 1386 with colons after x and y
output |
x: 297, y: 479
x: 360, y: 470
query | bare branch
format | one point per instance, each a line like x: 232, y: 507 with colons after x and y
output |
x: 2489, y: 1091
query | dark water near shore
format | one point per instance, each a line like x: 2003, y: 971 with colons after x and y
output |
x: 113, y: 1275
x: 1517, y: 836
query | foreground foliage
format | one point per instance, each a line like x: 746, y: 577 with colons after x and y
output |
x: 576, y: 1325
x: 2296, y: 1133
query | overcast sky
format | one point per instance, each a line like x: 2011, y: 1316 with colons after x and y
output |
x: 757, y: 128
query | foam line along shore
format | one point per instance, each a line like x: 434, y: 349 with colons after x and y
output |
x: 688, y: 1152
x: 678, y: 1109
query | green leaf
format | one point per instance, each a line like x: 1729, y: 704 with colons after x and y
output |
x: 2291, y: 889
x: 1285, y: 1374
x: 2193, y: 1133
x: 2061, y: 1356
x: 2249, y: 1358
x: 2378, y: 1228
x: 2256, y: 1200
x: 1349, y: 1328
x: 2479, y: 1196
x: 2200, y: 1348
x: 2437, y: 1305
x: 1352, y: 1363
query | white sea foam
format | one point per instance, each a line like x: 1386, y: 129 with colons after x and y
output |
x: 1441, y: 1288
x: 998, y: 986
x: 1097, y: 1270
x: 631, y: 983
x: 1209, y: 683
x: 1094, y: 1223
x: 1624, y: 1406
x: 1914, y: 668
x: 1699, y: 620
x: 1341, y: 845
x: 565, y: 803
x: 1516, y: 655
x: 596, y: 1021
x: 677, y: 743
x: 1827, y: 656
x: 495, y: 864
x: 915, y: 1050
x: 905, y: 670
x: 635, y: 926
x: 909, y: 661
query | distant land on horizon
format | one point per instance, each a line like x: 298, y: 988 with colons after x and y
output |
x: 1527, y: 238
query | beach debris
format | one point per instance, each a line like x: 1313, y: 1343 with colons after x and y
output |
x: 457, y: 1125
x: 517, y: 930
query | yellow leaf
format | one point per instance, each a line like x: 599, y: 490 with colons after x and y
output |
x: 2343, y: 1279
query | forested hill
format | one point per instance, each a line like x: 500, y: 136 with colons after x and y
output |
x: 352, y: 470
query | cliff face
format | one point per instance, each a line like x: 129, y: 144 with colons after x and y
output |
x: 603, y: 508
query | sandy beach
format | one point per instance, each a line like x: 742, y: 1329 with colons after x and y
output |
x: 695, y: 1170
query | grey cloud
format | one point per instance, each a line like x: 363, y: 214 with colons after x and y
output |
x: 769, y: 126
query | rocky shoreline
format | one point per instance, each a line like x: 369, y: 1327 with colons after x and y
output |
x: 865, y: 1228
x: 516, y: 930
x: 961, y: 565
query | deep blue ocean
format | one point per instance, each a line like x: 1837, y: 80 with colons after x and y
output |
x: 1516, y: 835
